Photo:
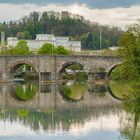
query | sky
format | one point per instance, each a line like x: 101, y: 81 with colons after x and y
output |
x: 111, y: 12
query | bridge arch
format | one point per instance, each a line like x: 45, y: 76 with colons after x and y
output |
x: 112, y: 68
x: 113, y: 95
x: 14, y: 66
x: 67, y: 98
x: 66, y: 65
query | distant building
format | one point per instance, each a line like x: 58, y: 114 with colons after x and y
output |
x: 64, y: 14
x: 48, y: 38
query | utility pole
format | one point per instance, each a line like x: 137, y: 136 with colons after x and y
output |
x: 52, y: 42
x: 3, y: 42
x: 100, y: 37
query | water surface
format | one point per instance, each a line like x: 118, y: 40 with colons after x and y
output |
x: 69, y: 112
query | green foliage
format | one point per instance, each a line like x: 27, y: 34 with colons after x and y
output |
x: 74, y: 92
x: 60, y: 50
x: 77, y: 29
x: 130, y: 52
x: 75, y: 67
x: 23, y: 112
x: 67, y: 91
x: 129, y: 93
x: 26, y: 94
x: 119, y: 73
x: 91, y: 40
x: 121, y: 89
x: 132, y: 105
x: 109, y: 52
x: 88, y: 41
x: 81, y: 77
x: 77, y: 73
x: 24, y: 35
x: 21, y: 48
x: 48, y: 48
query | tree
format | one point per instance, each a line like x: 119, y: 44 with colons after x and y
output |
x: 47, y: 48
x: 130, y: 51
x: 21, y: 48
x: 131, y: 105
x: 20, y: 35
x: 88, y: 41
x: 61, y: 50
x: 75, y: 28
x: 24, y: 35
x: 27, y: 35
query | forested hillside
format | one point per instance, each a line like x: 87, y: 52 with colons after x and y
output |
x: 78, y: 29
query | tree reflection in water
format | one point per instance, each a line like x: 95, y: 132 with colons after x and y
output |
x: 25, y: 92
x: 73, y: 92
x: 80, y: 104
x: 50, y: 111
x: 130, y: 127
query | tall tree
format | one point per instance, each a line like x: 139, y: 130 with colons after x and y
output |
x: 21, y: 48
x: 130, y: 51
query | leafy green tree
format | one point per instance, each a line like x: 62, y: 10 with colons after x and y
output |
x: 20, y: 35
x: 27, y: 94
x: 21, y: 48
x: 61, y: 50
x: 88, y: 41
x: 24, y: 35
x: 7, y: 50
x: 130, y: 52
x: 47, y: 48
x: 132, y: 105
x: 75, y: 28
x: 27, y: 35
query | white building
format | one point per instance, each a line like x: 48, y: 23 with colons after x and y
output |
x: 48, y: 38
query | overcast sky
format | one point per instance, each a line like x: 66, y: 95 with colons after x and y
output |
x: 111, y: 12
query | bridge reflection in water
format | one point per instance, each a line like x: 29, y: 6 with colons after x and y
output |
x: 53, y: 106
x: 69, y: 111
x: 55, y: 96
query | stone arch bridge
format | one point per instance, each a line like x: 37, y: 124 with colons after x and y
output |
x: 49, y: 67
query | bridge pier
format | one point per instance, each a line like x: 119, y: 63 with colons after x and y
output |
x: 45, y: 76
x: 54, y: 76
x: 4, y: 77
x: 93, y: 76
x: 97, y: 88
x: 90, y: 76
x: 48, y: 76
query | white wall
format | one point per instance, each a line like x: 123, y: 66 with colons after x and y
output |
x: 45, y: 38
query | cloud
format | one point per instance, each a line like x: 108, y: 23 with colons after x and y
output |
x: 114, y: 16
x: 92, y: 3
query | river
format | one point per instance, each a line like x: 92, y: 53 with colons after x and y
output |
x: 70, y: 111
